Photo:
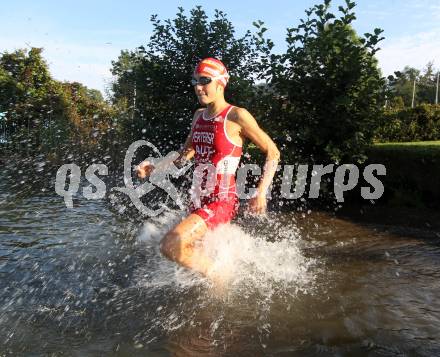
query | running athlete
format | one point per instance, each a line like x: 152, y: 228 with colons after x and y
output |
x: 216, y: 138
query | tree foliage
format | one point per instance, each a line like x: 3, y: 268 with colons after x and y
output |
x: 153, y: 81
x: 321, y: 99
x: 40, y: 113
x: 330, y: 85
x: 420, y: 123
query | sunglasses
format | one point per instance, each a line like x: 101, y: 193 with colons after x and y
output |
x: 204, y: 80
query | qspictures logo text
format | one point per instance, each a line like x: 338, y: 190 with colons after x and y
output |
x: 346, y: 178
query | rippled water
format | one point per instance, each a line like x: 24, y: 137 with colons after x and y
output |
x: 86, y: 281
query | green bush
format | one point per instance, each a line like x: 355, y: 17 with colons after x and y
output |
x: 410, y: 124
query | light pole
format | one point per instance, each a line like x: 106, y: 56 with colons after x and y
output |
x: 414, y: 93
x: 436, y: 91
x: 134, y: 101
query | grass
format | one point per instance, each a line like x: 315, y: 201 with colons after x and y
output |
x: 415, y: 148
x: 411, y: 143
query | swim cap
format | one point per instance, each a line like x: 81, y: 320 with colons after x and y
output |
x: 213, y: 68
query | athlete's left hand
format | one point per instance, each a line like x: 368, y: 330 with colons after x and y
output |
x: 258, y: 204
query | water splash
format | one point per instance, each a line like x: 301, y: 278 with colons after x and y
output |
x: 261, y: 263
x: 257, y: 272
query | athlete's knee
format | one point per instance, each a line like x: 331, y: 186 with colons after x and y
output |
x: 170, y: 245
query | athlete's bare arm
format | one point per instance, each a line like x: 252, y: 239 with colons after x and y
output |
x: 186, y: 153
x: 249, y: 128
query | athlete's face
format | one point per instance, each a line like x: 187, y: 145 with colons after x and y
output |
x: 207, y: 93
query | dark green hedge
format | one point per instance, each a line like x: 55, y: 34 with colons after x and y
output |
x: 413, y: 172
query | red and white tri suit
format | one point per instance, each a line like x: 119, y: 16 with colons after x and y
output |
x: 213, y: 147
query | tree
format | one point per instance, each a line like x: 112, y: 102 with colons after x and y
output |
x: 153, y: 82
x: 42, y: 113
x: 330, y: 84
x: 26, y: 93
x: 426, y: 85
x: 401, y: 84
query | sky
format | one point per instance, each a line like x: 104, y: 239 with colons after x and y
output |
x: 80, y: 38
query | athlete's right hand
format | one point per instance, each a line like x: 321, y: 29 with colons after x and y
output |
x: 144, y: 169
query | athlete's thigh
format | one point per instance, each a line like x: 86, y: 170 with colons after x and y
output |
x: 190, y: 228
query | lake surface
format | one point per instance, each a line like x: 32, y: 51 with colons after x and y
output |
x: 90, y: 281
